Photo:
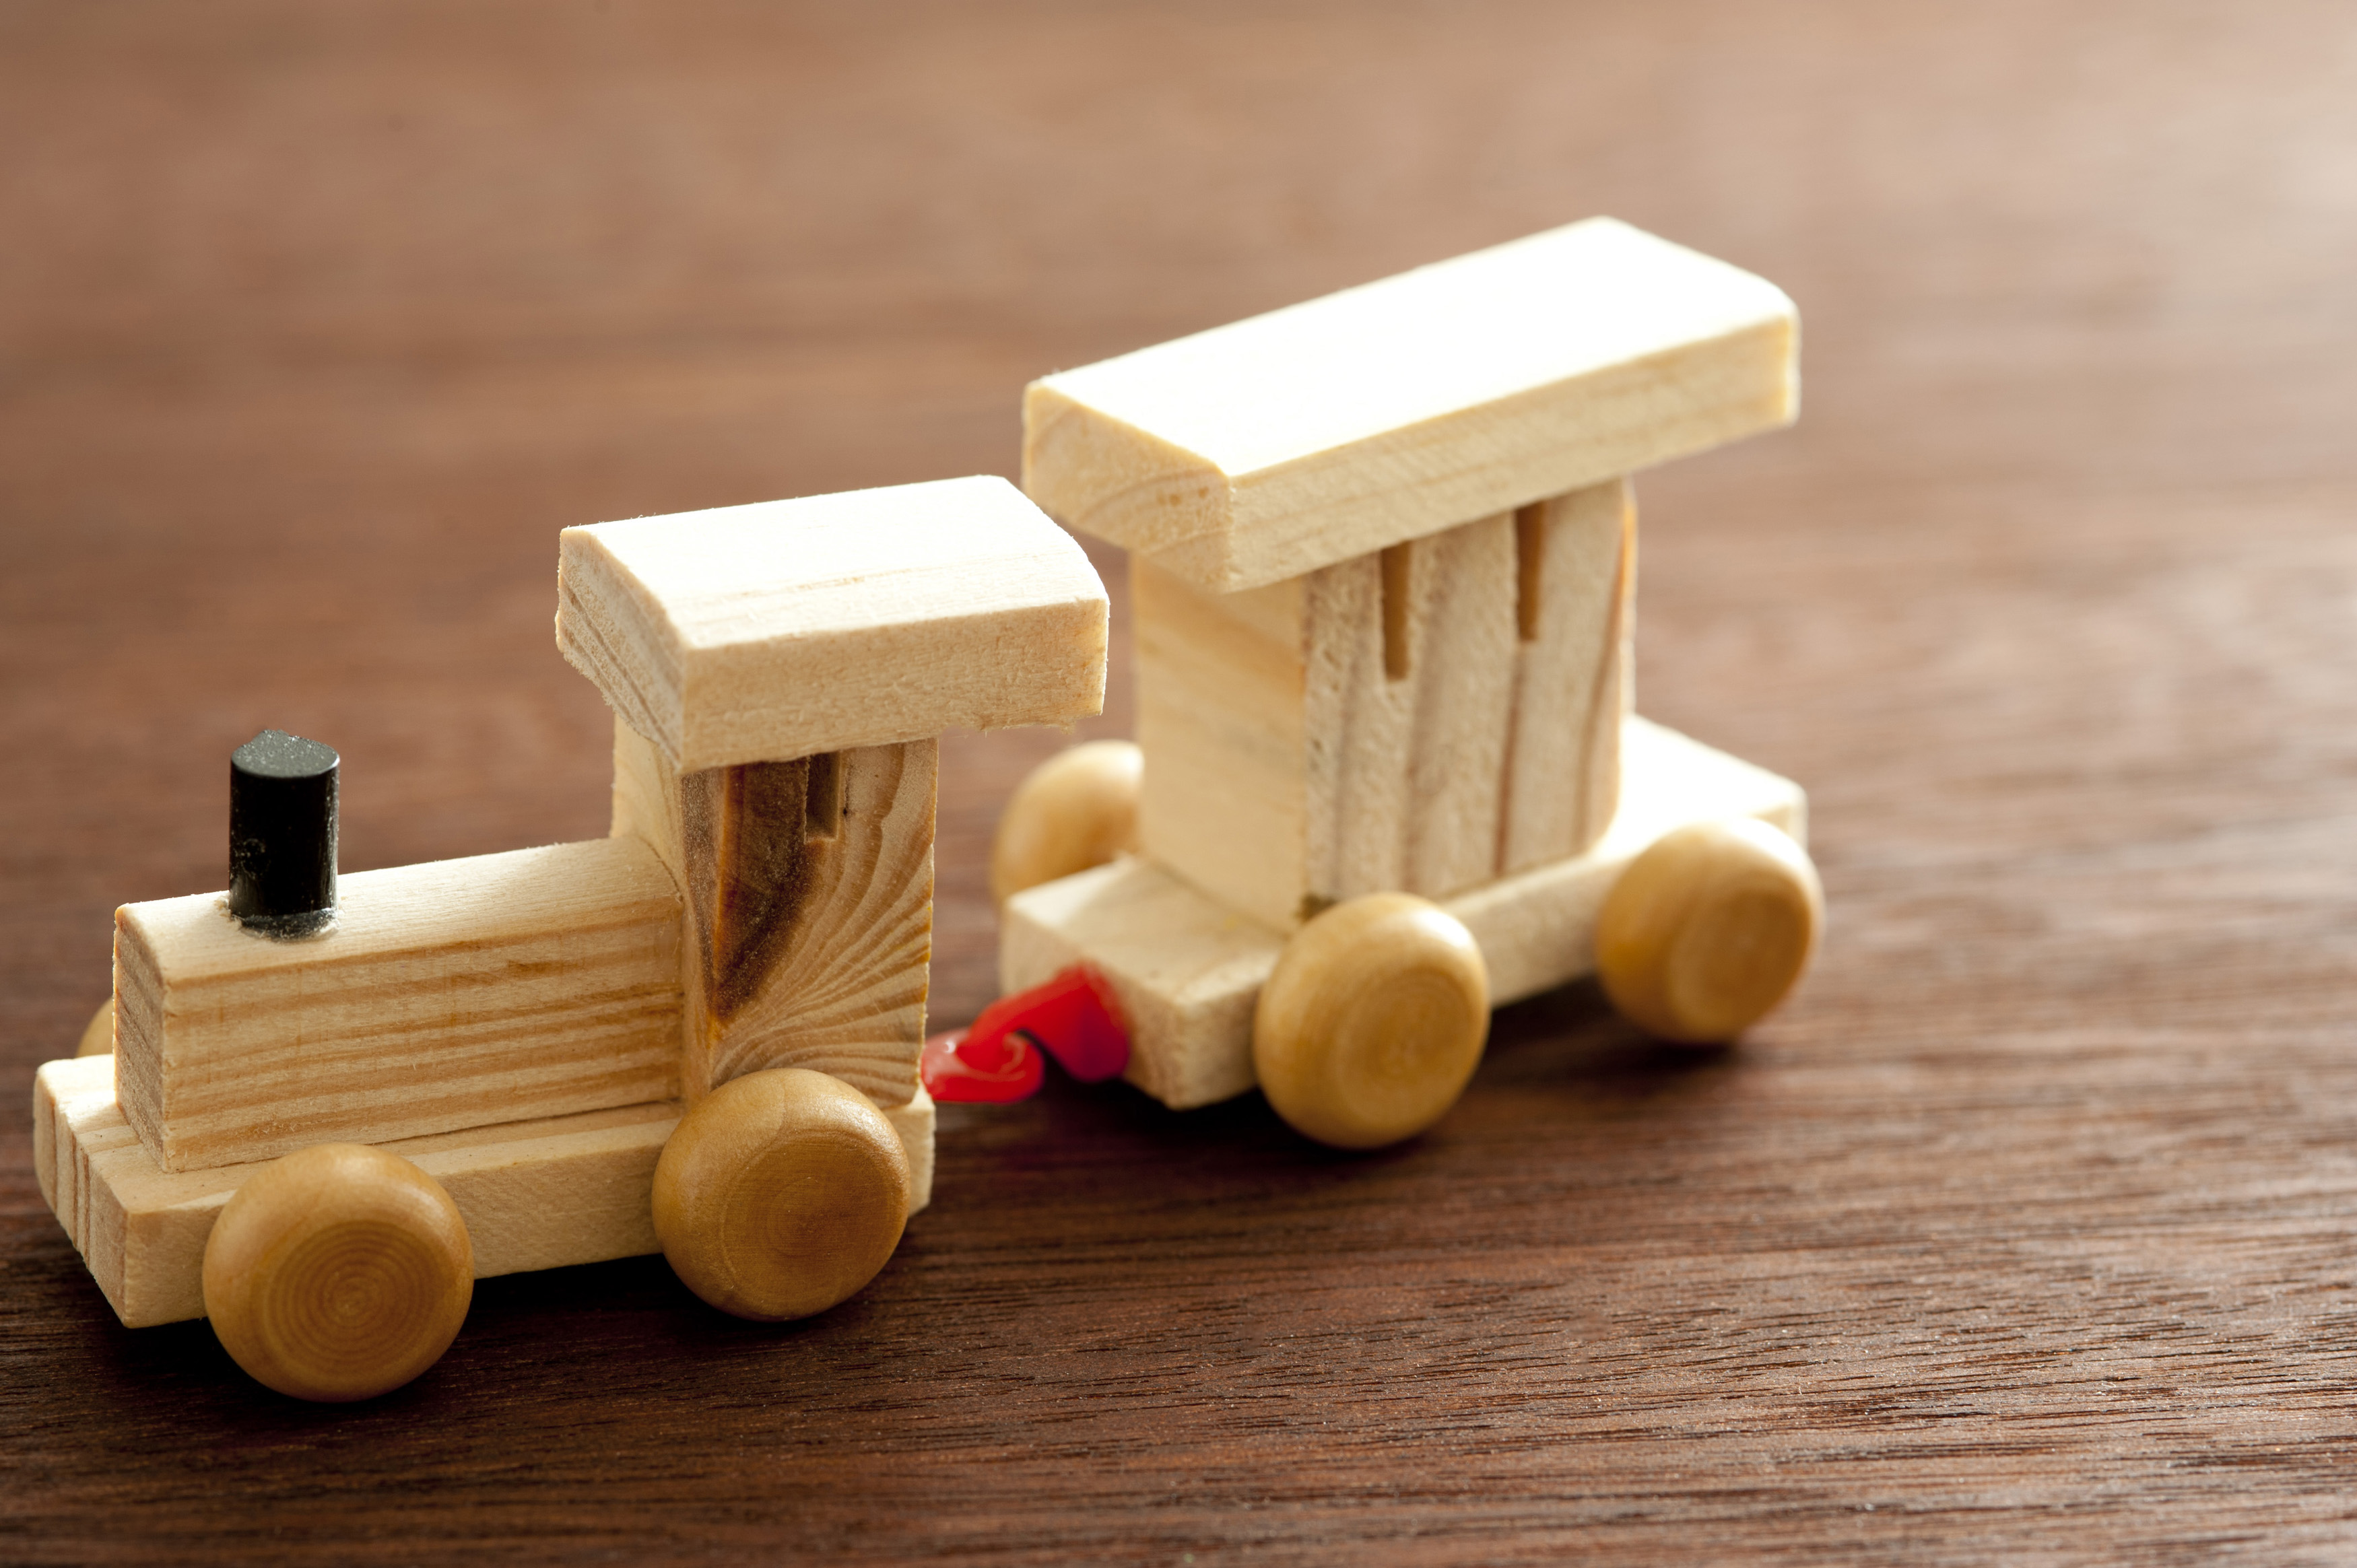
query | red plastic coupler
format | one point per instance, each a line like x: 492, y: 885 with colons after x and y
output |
x: 1074, y: 1017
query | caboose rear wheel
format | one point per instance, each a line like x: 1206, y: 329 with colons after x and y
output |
x: 1709, y: 930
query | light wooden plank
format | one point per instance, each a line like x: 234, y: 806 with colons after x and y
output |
x: 1423, y: 720
x: 755, y: 633
x: 915, y: 1122
x: 1231, y: 780
x: 451, y: 994
x: 1575, y: 597
x: 1188, y: 969
x: 1292, y: 441
x: 810, y: 886
x: 536, y: 1194
x: 1338, y: 734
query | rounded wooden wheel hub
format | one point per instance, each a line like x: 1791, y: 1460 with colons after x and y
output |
x: 1077, y: 810
x: 1372, y: 1022
x: 338, y: 1272
x: 1709, y: 930
x: 780, y: 1193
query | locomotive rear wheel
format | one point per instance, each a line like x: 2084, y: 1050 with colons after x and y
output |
x: 1372, y: 1022
x: 780, y: 1193
x: 338, y: 1272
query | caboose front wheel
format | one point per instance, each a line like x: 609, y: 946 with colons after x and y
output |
x: 782, y: 1193
x: 1372, y: 1022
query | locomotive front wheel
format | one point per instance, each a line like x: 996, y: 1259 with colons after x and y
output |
x: 782, y: 1193
x: 1709, y: 930
x: 338, y: 1272
x: 1372, y: 1022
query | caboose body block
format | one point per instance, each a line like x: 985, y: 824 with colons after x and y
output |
x: 1429, y: 718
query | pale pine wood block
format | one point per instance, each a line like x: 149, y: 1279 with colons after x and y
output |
x: 1187, y: 968
x: 540, y: 1194
x: 1231, y: 776
x: 914, y: 1123
x: 451, y: 994
x: 758, y: 633
x: 810, y: 900
x: 1277, y: 445
x: 1370, y: 726
x: 1418, y: 706
x: 535, y: 1194
x: 1573, y: 673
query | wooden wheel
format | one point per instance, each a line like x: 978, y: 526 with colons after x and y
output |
x: 1372, y: 1022
x: 1077, y: 810
x: 1709, y: 930
x: 338, y: 1272
x: 780, y: 1193
x: 98, y: 1035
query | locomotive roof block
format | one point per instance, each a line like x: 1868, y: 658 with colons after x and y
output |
x: 1292, y: 441
x: 788, y: 628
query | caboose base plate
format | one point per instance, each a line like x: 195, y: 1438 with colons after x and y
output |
x: 1189, y: 970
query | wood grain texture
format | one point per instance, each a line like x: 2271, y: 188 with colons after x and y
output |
x: 543, y: 1194
x: 810, y: 888
x: 455, y: 994
x: 1271, y: 448
x: 1186, y: 967
x: 1373, y: 1021
x: 779, y: 1195
x: 1574, y: 673
x: 337, y: 1273
x: 1402, y: 721
x: 1410, y: 659
x: 536, y: 1193
x: 2021, y: 1234
x: 755, y: 633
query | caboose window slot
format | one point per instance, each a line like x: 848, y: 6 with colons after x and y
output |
x: 1529, y: 560
x: 1395, y: 610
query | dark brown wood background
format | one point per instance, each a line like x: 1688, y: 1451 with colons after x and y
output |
x: 2027, y: 1229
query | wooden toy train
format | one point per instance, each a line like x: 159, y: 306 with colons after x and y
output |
x: 1382, y: 559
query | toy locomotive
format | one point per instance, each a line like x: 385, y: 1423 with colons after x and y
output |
x: 330, y: 1106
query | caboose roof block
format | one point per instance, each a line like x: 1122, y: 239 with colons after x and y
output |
x: 1294, y: 440
x: 787, y: 629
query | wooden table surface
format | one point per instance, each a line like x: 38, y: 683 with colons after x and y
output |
x: 2025, y: 1230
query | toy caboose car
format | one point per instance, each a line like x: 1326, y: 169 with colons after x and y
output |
x: 1382, y: 555
x: 330, y: 1107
